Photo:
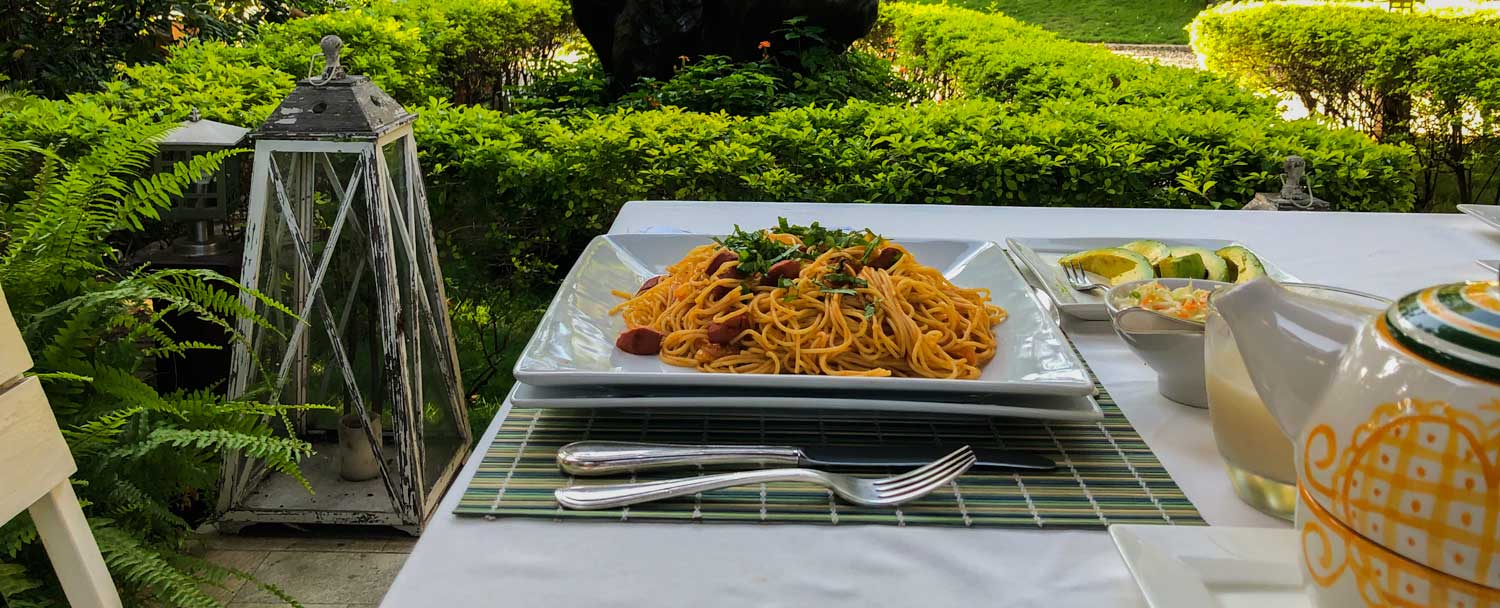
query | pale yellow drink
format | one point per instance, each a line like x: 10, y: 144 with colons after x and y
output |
x: 1258, y: 455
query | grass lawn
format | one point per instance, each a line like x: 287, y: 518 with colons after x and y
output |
x: 1134, y: 21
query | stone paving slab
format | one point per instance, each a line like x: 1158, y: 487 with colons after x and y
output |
x: 322, y: 567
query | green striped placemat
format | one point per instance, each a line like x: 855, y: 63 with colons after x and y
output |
x: 1106, y: 474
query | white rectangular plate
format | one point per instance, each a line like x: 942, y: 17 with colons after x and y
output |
x: 1489, y: 214
x: 1040, y: 258
x: 1038, y: 407
x: 1228, y: 567
x: 575, y: 342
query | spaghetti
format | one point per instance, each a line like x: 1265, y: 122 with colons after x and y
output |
x: 807, y: 300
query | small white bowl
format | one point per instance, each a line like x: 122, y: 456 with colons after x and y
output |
x: 1173, y: 347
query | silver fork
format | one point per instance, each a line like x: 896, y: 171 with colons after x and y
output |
x: 1078, y: 279
x: 890, y: 491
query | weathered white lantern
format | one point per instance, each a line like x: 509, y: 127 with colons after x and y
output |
x: 338, y: 230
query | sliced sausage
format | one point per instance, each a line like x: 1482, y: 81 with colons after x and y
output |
x: 724, y: 257
x: 651, y: 282
x: 785, y: 269
x: 719, y: 292
x: 726, y: 332
x: 639, y: 341
x: 886, y: 258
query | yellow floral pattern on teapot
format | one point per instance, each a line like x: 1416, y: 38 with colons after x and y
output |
x: 1420, y: 478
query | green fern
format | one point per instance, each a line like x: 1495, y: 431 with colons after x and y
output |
x: 139, y: 566
x: 92, y: 328
x: 281, y: 454
x: 14, y: 581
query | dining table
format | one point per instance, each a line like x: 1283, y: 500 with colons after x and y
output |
x: 472, y: 561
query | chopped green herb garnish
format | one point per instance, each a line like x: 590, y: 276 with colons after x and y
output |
x: 870, y: 309
x: 840, y: 290
x: 837, y: 278
x: 758, y: 251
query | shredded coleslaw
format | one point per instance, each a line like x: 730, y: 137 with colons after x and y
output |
x: 1187, y: 302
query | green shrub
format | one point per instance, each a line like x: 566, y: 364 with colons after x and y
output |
x: 226, y: 83
x: 717, y: 84
x: 482, y: 49
x: 516, y: 196
x: 967, y: 53
x: 391, y: 52
x: 472, y: 51
x: 1431, y: 81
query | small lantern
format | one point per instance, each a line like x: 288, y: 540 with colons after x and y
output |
x: 209, y: 199
x: 338, y: 230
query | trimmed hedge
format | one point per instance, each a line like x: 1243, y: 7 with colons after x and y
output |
x: 967, y: 53
x: 471, y: 51
x: 523, y: 193
x: 1428, y: 80
x: 516, y: 194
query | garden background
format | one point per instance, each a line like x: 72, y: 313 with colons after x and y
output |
x: 527, y: 156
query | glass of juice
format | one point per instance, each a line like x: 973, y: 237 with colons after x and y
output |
x: 1258, y: 455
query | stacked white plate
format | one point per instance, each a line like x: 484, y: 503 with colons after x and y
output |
x: 571, y: 360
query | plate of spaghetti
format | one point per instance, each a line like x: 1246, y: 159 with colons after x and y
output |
x: 800, y: 306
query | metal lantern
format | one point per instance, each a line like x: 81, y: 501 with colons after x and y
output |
x: 209, y: 199
x: 338, y: 230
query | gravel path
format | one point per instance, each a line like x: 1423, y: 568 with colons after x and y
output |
x: 1178, y: 55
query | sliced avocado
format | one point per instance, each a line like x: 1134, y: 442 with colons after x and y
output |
x: 1243, y: 265
x: 1217, y: 269
x: 1113, y: 263
x: 1189, y: 266
x: 1154, y: 251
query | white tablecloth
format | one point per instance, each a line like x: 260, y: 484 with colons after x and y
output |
x: 471, y: 561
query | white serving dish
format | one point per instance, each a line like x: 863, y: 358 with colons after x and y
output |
x: 574, y: 343
x: 1222, y: 566
x: 1174, y: 350
x: 1037, y: 407
x: 1040, y: 256
x: 1489, y: 214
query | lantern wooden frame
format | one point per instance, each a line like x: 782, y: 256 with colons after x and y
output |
x: 341, y: 121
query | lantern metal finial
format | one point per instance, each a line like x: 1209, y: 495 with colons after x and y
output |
x: 332, y: 70
x: 194, y: 116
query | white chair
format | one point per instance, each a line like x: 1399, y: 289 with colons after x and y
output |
x: 34, y: 469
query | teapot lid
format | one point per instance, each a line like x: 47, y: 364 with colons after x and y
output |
x: 1454, y: 326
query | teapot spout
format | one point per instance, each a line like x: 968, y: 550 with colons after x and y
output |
x: 1291, y: 344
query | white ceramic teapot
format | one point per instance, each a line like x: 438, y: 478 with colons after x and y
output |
x: 1396, y: 422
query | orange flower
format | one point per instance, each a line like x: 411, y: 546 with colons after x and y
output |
x: 764, y: 44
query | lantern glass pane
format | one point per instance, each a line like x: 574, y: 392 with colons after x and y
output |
x: 424, y: 338
x: 314, y: 187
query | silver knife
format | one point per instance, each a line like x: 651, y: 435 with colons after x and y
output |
x: 588, y: 458
x: 1490, y: 265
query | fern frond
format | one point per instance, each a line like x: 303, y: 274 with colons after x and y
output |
x: 133, y: 563
x: 16, y: 534
x: 280, y: 454
x: 60, y: 376
x: 130, y: 390
x: 98, y: 435
x: 126, y: 497
x: 14, y: 581
x: 216, y: 574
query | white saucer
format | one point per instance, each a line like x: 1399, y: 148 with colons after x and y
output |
x: 1202, y: 566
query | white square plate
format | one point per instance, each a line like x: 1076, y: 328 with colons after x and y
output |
x: 1037, y: 407
x: 575, y: 342
x: 1040, y: 257
x: 1227, y: 567
x: 1489, y: 214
